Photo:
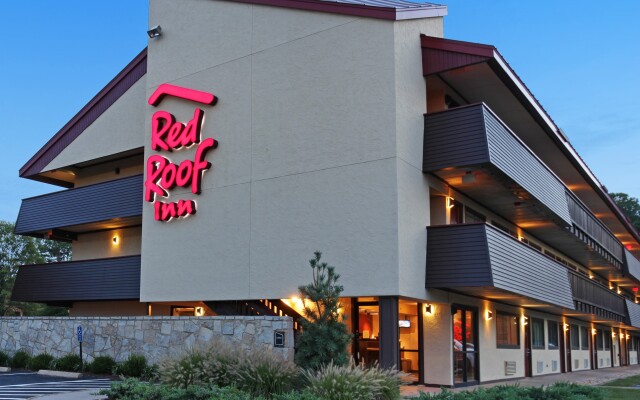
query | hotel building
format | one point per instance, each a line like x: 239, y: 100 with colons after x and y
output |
x: 473, y: 242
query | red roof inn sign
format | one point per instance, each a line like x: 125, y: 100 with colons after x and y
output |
x: 168, y: 135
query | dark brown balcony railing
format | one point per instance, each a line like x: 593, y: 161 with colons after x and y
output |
x: 593, y: 232
x: 594, y: 298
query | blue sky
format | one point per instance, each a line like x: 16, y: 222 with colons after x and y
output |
x: 580, y: 59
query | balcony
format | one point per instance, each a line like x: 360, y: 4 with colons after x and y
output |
x: 593, y: 298
x: 483, y: 261
x: 116, y: 278
x: 472, y: 150
x: 631, y: 265
x: 107, y: 205
x: 633, y: 314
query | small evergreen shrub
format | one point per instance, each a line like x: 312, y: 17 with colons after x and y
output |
x: 324, y: 338
x: 102, y: 365
x: 41, y: 361
x: 20, y: 359
x: 262, y: 373
x: 69, y: 363
x: 4, y: 359
x: 134, y: 366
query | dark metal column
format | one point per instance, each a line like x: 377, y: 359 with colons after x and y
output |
x: 421, y: 343
x: 389, y: 332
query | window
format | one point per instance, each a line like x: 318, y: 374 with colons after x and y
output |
x: 584, y: 338
x: 537, y: 333
x: 600, y: 340
x: 632, y: 344
x: 552, y: 328
x: 471, y: 216
x: 507, y: 329
x: 607, y: 340
x: 575, y: 337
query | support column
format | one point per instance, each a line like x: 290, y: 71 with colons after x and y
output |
x: 389, y: 332
x: 421, y: 360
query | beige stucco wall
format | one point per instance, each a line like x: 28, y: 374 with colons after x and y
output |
x: 308, y: 157
x: 118, y: 129
x: 101, y: 245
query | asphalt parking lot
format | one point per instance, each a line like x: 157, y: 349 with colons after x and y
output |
x: 27, y: 385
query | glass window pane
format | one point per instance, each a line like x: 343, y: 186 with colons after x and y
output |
x: 553, y: 334
x: 537, y: 333
x: 584, y: 338
x: 507, y: 329
x: 469, y: 331
x: 575, y: 337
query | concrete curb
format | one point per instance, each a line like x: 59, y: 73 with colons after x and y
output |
x: 5, y: 369
x: 60, y: 374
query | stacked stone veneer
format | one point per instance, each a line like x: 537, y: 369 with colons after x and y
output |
x: 155, y: 337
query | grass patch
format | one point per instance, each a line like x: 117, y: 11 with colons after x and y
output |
x: 621, y: 393
x: 624, y: 382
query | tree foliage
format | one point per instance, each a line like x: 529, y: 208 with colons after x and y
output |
x: 324, y: 336
x: 16, y: 250
x: 630, y: 206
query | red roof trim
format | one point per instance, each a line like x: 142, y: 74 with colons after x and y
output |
x: 135, y: 70
x: 457, y: 46
x: 360, y: 10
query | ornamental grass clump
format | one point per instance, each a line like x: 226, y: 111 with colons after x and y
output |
x: 353, y: 382
x: 102, y: 365
x: 20, y: 359
x: 41, y: 361
x: 69, y: 363
x: 262, y: 373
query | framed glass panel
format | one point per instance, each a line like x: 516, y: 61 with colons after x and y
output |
x: 552, y: 329
x: 537, y: 333
x: 507, y: 331
x: 584, y: 338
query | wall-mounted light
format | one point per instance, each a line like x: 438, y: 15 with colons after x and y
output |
x: 619, y: 291
x: 428, y: 309
x: 591, y: 276
x: 199, y: 311
x: 525, y: 320
x: 565, y: 327
x: 489, y: 315
x: 628, y: 336
x: 610, y: 286
x: 115, y: 240
x: 594, y: 331
x: 637, y: 301
x: 450, y: 202
x: 613, y: 334
x: 155, y: 32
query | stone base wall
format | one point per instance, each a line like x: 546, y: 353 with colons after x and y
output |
x: 155, y: 337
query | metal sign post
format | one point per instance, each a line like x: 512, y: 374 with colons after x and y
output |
x: 80, y: 341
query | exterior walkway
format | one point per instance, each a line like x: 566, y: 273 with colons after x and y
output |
x: 589, y: 377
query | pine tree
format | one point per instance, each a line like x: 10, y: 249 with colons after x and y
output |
x: 324, y: 336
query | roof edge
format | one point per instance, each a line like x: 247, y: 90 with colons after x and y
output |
x: 359, y: 10
x: 87, y: 115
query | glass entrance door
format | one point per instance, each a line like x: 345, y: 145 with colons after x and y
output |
x: 465, y: 345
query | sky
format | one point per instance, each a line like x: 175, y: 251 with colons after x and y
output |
x: 581, y: 59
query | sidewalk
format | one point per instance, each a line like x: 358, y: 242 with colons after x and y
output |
x: 589, y: 377
x: 595, y: 377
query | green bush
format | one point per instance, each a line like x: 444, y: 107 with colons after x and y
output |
x: 557, y: 391
x: 41, y: 361
x: 20, y: 359
x: 4, y: 359
x: 134, y: 366
x: 133, y: 389
x: 262, y: 373
x: 102, y: 365
x: 69, y: 363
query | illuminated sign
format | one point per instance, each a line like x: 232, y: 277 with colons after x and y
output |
x: 168, y: 135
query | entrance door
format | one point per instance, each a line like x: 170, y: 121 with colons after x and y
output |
x: 465, y: 345
x: 563, y: 357
x: 616, y: 352
x: 527, y: 348
x: 624, y: 358
x: 594, y: 351
x: 367, y: 331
